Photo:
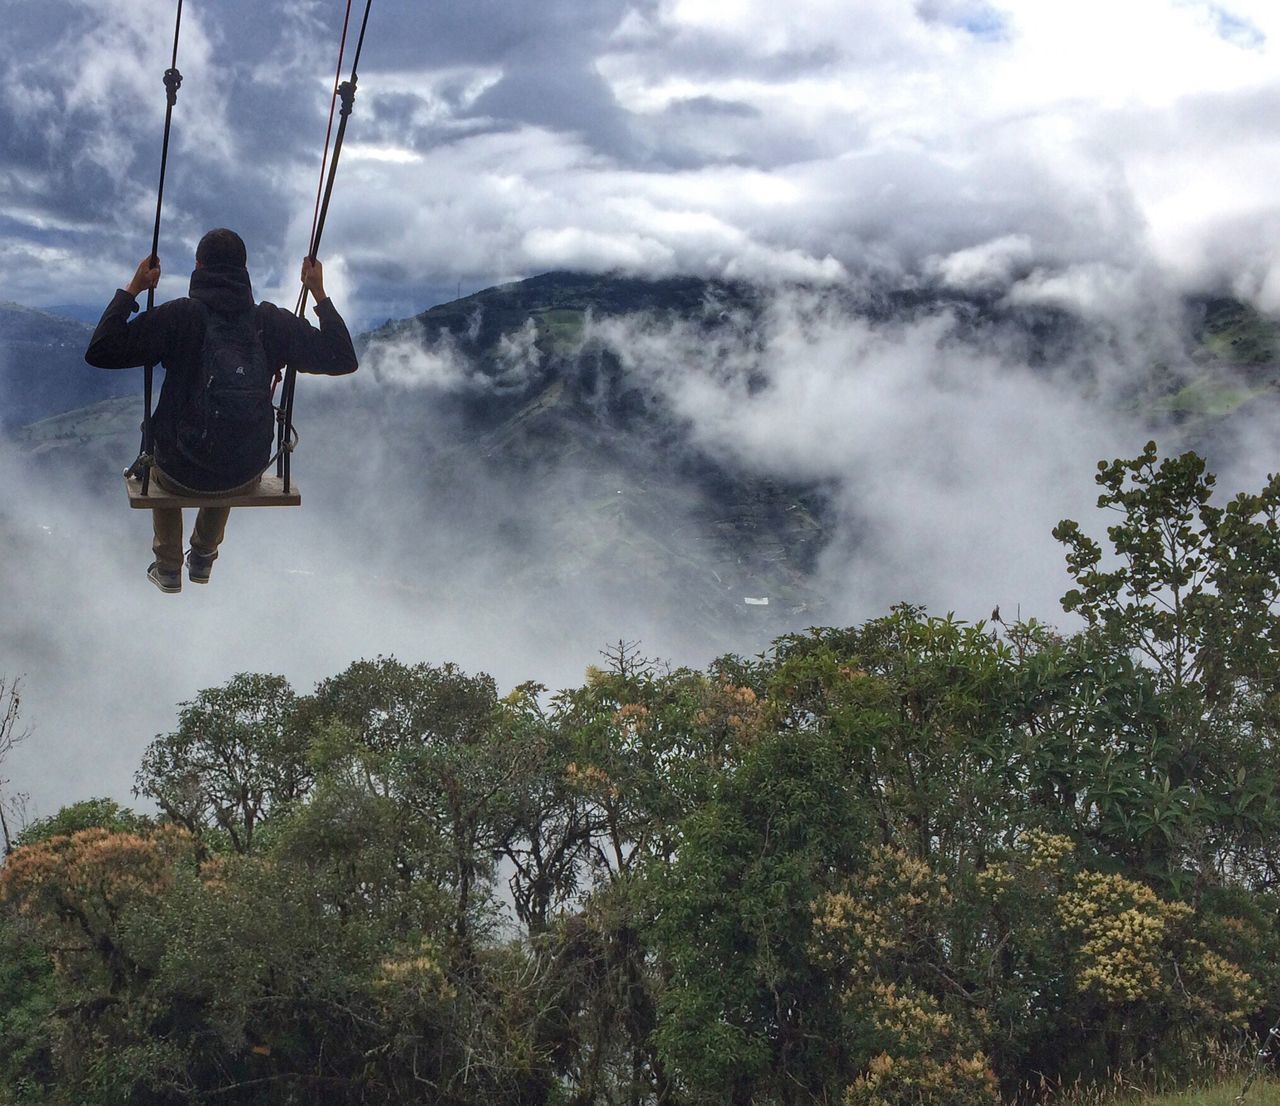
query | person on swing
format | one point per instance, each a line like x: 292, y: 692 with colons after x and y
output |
x: 214, y: 426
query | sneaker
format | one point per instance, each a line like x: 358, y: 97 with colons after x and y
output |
x: 199, y: 565
x: 168, y: 580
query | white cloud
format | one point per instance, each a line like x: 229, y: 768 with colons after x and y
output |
x: 987, y: 267
x: 404, y: 362
x: 800, y: 141
x: 576, y: 248
x: 949, y: 460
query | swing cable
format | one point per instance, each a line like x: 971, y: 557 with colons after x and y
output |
x: 346, y: 92
x: 172, y: 82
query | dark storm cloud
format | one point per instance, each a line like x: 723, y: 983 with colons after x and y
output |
x: 80, y: 158
x: 492, y: 140
x: 416, y: 36
x: 574, y: 99
x: 712, y: 106
x: 84, y: 124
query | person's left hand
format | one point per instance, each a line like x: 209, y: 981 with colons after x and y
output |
x: 146, y: 276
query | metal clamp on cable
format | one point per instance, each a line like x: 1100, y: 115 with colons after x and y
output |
x: 172, y: 82
x: 347, y: 91
x: 140, y: 466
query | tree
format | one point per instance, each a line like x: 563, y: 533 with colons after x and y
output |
x: 747, y: 1014
x: 430, y: 741
x: 234, y: 760
x: 86, y: 814
x: 1191, y: 586
x: 1192, y: 589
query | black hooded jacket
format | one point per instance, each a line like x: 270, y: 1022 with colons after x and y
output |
x: 172, y: 335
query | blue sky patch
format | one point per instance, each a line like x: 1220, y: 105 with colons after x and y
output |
x: 985, y: 22
x: 977, y: 18
x: 1238, y: 31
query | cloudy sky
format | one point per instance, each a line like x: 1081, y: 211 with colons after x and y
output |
x: 1107, y: 157
x: 1071, y: 148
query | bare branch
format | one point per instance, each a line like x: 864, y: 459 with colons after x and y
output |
x: 11, y: 736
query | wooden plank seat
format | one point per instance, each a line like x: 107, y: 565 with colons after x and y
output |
x: 269, y: 493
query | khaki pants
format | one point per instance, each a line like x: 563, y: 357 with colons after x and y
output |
x: 207, y: 534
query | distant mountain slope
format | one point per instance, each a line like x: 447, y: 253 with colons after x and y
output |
x: 42, y: 368
x: 1235, y: 369
x: 493, y: 436
x: 552, y: 442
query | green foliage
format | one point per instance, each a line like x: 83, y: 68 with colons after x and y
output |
x: 428, y: 747
x: 746, y: 1010
x: 28, y: 997
x: 86, y: 814
x: 1192, y: 586
x: 234, y: 759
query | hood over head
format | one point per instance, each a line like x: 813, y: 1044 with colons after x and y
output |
x: 225, y: 289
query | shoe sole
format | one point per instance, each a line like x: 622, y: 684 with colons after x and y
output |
x: 168, y: 589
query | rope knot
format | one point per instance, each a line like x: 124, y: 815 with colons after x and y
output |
x: 347, y: 91
x: 172, y: 82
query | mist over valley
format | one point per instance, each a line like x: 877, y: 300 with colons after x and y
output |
x: 519, y: 477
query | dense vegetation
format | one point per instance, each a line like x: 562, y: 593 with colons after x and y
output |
x: 915, y: 860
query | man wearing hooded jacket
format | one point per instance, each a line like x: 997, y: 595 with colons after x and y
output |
x: 173, y: 335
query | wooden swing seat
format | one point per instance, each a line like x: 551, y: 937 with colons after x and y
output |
x: 269, y: 493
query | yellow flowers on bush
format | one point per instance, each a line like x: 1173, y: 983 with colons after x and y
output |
x: 958, y: 1081
x: 1046, y: 852
x: 865, y: 935
x: 1218, y: 990
x: 928, y: 1058
x: 1124, y: 944
x: 417, y: 972
x: 1134, y: 946
x: 1121, y: 926
x: 888, y: 910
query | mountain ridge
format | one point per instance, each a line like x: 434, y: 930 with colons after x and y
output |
x: 534, y: 445
x: 42, y: 367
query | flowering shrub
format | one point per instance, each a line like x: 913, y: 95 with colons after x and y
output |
x: 1102, y: 959
x: 870, y: 935
x: 87, y: 880
x: 895, y: 904
x: 925, y: 1055
x: 1120, y: 930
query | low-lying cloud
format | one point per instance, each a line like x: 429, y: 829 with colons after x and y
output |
x: 947, y: 443
x: 948, y: 457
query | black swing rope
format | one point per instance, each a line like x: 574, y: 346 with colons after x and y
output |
x: 346, y: 92
x: 172, y: 82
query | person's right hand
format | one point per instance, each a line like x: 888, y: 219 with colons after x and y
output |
x: 313, y: 278
x: 146, y: 276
